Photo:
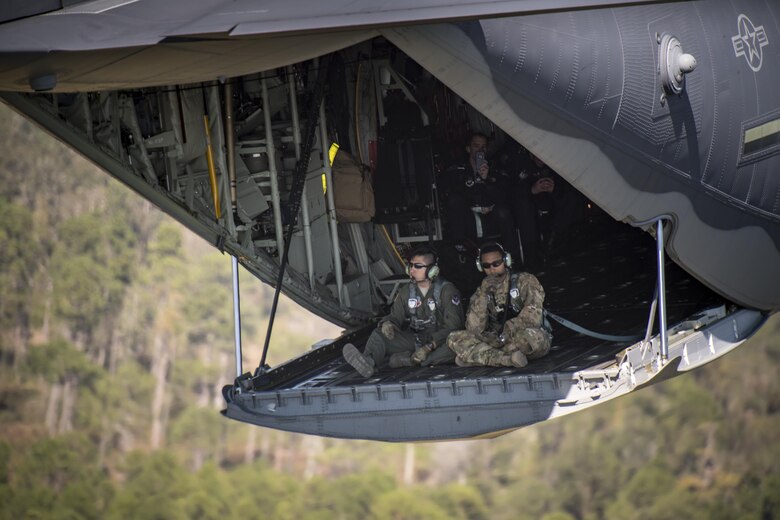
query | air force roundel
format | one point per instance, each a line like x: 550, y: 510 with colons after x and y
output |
x: 749, y: 41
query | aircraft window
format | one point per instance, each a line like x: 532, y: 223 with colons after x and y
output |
x: 760, y: 139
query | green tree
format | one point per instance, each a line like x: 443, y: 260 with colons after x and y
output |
x: 407, y: 504
x: 58, y: 360
x: 261, y: 491
x: 461, y: 502
x: 348, y: 498
x: 91, y: 266
x: 19, y: 262
x: 199, y: 429
x: 59, y: 478
x: 155, y: 487
x: 211, y: 498
x: 641, y: 492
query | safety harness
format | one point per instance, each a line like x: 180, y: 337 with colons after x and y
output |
x: 511, y: 307
x: 418, y: 324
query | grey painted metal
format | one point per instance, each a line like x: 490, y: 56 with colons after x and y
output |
x: 651, y: 316
x: 230, y: 146
x: 305, y: 220
x: 231, y: 162
x: 331, y: 205
x: 445, y: 408
x: 87, y: 117
x: 237, y: 316
x: 359, y: 245
x: 659, y: 242
x: 91, y: 25
x: 271, y: 152
x: 604, y: 129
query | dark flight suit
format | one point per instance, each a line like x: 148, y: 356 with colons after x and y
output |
x: 465, y: 190
x: 420, y: 321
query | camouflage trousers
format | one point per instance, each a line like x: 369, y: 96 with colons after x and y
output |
x: 488, y: 350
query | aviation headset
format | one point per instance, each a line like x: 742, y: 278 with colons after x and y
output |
x: 493, y: 246
x: 432, y: 271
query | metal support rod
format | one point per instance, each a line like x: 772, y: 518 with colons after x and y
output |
x: 166, y: 117
x: 659, y: 240
x: 331, y: 205
x: 304, y: 197
x: 651, y: 316
x: 237, y: 317
x: 212, y: 168
x: 231, y: 166
x: 271, y: 153
x: 230, y: 145
x: 87, y: 116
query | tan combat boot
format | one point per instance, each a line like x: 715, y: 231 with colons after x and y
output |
x: 515, y: 359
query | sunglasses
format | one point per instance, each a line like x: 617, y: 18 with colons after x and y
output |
x: 488, y: 265
x: 418, y: 266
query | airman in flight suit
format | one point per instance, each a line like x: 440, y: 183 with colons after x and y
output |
x: 423, y: 314
x: 505, y: 323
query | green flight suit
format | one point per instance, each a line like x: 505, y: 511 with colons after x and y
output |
x: 420, y: 320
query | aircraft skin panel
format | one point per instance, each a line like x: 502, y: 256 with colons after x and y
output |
x: 471, y: 408
x: 89, y: 47
x: 169, y: 63
x: 99, y: 24
x: 636, y: 160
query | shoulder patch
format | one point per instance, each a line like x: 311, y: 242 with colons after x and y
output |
x: 456, y: 299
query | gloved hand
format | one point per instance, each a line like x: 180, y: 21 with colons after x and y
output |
x: 421, y: 353
x: 493, y: 282
x: 388, y: 328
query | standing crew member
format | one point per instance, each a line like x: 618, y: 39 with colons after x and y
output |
x: 422, y: 316
x: 505, y: 323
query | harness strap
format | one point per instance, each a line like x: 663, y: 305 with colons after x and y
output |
x: 438, y: 286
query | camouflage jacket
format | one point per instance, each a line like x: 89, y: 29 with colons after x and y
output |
x: 435, y: 320
x: 526, y: 301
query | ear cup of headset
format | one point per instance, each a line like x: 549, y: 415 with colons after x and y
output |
x: 507, y: 257
x: 433, y: 271
x: 408, y: 269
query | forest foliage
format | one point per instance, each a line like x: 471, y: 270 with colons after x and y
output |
x: 116, y: 337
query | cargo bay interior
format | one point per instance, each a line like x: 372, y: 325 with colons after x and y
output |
x: 404, y: 129
x: 407, y: 129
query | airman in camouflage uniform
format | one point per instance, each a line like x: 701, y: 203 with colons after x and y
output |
x: 504, y: 324
x: 423, y: 314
